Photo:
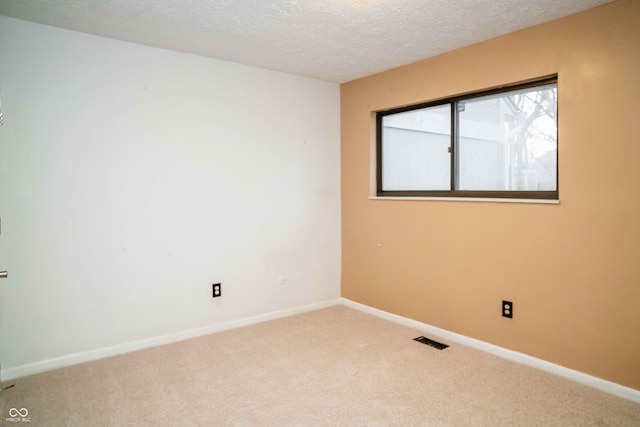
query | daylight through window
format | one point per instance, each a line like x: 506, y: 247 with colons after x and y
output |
x: 496, y: 144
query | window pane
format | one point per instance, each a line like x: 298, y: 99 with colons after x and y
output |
x: 508, y: 142
x: 415, y: 150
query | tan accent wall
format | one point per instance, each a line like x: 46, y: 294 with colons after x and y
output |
x: 573, y: 269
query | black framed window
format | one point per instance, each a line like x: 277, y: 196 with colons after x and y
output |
x: 501, y: 143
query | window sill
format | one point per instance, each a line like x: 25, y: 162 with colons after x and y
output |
x: 471, y: 199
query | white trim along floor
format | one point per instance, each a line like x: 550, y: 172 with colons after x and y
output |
x: 579, y: 377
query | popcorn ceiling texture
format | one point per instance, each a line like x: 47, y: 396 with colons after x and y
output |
x: 332, y: 40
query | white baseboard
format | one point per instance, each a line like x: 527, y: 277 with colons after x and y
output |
x: 76, y: 358
x: 579, y: 377
x: 87, y: 356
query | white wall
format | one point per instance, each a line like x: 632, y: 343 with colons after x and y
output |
x: 132, y: 178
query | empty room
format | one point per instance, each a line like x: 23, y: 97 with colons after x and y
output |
x: 310, y: 213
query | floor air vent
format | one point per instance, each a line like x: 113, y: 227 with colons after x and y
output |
x: 432, y: 343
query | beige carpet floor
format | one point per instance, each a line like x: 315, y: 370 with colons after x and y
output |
x: 330, y: 367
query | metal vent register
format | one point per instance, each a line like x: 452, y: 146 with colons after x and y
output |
x: 432, y: 343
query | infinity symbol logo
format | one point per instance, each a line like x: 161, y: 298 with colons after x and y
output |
x: 13, y: 412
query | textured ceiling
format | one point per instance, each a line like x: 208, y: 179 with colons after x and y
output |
x: 333, y: 40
